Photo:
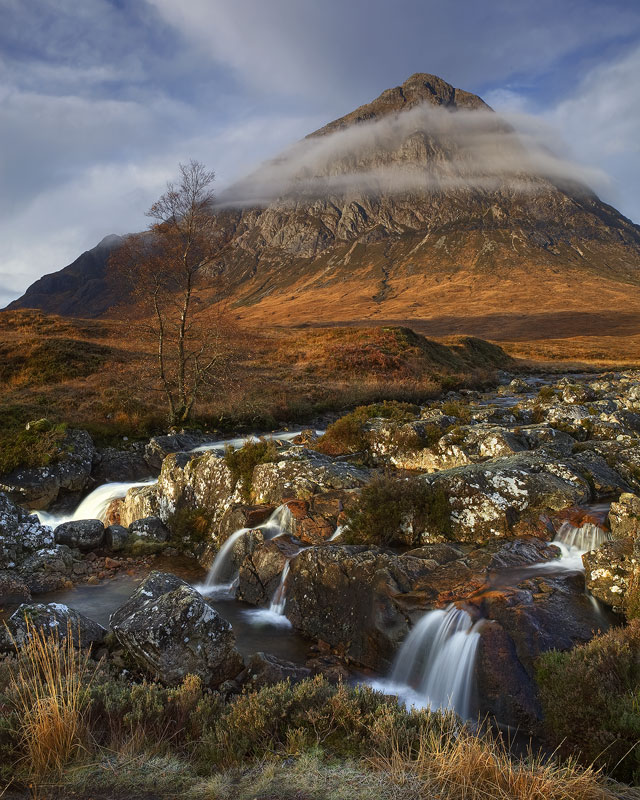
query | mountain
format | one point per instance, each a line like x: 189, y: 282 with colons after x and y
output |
x: 425, y: 207
x: 77, y: 290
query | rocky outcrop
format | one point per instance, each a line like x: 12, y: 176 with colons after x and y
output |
x: 170, y: 631
x: 21, y: 534
x: 260, y: 571
x: 38, y: 487
x: 52, y: 619
x: 301, y: 473
x: 363, y: 600
x: 111, y: 464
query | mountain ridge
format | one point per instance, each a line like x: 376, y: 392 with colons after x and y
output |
x: 422, y: 200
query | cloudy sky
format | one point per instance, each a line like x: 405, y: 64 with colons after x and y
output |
x: 100, y: 99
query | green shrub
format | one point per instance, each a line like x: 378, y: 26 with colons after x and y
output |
x: 591, y: 700
x: 546, y: 394
x: 347, y: 434
x: 453, y: 408
x: 22, y: 448
x: 190, y: 526
x: 387, y: 503
x: 243, y: 461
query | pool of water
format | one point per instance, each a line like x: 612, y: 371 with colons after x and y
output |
x: 254, y: 632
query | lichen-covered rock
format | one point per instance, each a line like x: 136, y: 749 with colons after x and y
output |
x: 243, y: 516
x: 302, y: 473
x: 48, y: 569
x: 53, y: 619
x: 38, y: 487
x: 85, y: 534
x: 624, y: 518
x: 171, y: 631
x: 159, y: 447
x: 21, y: 534
x: 139, y: 502
x: 489, y: 500
x: 611, y: 572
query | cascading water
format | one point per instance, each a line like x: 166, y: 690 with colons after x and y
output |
x: 240, y: 441
x: 274, y: 615
x: 336, y: 533
x: 434, y: 668
x: 94, y: 505
x: 573, y: 541
x: 223, y: 574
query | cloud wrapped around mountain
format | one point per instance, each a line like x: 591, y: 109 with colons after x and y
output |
x: 425, y: 149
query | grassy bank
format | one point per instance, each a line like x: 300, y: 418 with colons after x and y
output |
x: 71, y: 727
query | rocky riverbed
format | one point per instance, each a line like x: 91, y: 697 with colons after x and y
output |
x: 513, y: 516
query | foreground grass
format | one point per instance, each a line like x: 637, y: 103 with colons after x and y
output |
x: 70, y: 727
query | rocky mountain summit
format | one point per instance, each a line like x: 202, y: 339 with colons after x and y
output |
x: 401, y: 206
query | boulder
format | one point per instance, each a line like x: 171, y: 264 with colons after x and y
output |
x: 264, y: 669
x: 159, y: 447
x: 111, y: 464
x: 147, y: 536
x: 611, y: 573
x: 539, y: 614
x: 48, y: 569
x: 54, y: 619
x: 171, y: 631
x: 624, y: 518
x: 85, y: 534
x: 260, y: 571
x: 116, y: 537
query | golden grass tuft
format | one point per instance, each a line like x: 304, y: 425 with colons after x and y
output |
x: 50, y: 686
x: 467, y: 765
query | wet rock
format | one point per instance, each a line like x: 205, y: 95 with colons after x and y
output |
x: 539, y: 614
x: 85, y: 534
x: 139, y: 502
x: 54, y: 619
x: 242, y: 516
x: 21, y: 534
x: 150, y: 529
x: 260, y: 571
x: 113, y: 514
x: 116, y: 537
x: 264, y: 669
x: 38, y: 487
x: 170, y: 630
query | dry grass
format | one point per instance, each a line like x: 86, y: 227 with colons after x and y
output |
x: 50, y: 686
x: 463, y: 765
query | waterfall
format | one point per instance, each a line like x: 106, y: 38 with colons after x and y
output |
x: 574, y: 541
x: 435, y: 666
x: 336, y: 533
x: 280, y: 595
x: 221, y: 444
x: 223, y: 574
x: 94, y: 505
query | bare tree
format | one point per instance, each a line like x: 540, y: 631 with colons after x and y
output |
x: 167, y: 267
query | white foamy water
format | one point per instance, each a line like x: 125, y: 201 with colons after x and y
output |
x: 223, y: 575
x: 240, y: 441
x: 94, y: 505
x: 573, y: 541
x: 434, y: 668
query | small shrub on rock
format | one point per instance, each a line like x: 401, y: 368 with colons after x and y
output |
x: 591, y: 700
x: 243, y: 461
x: 388, y: 505
x: 347, y: 434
